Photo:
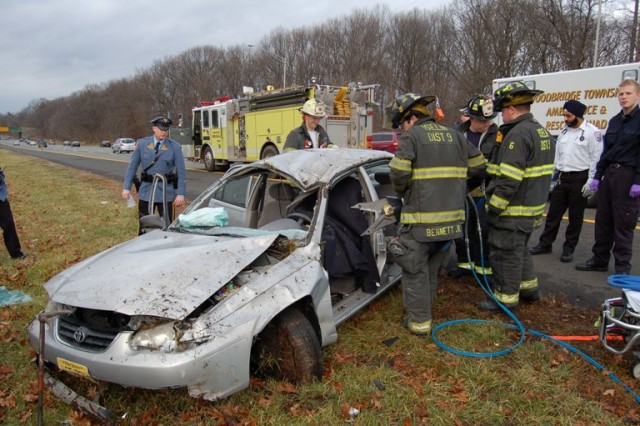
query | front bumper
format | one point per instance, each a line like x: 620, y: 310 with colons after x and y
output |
x: 212, y: 370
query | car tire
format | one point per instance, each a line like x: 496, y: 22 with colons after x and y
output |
x: 288, y: 349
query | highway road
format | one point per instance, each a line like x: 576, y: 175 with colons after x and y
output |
x: 587, y: 289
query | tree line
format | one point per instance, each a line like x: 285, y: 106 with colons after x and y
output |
x: 453, y: 52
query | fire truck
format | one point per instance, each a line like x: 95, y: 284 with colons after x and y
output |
x: 256, y: 126
x: 597, y: 88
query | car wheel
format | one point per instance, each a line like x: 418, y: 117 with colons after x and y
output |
x: 269, y: 151
x: 288, y: 349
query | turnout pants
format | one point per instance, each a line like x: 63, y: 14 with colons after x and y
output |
x: 9, y: 232
x: 566, y: 195
x: 616, y: 218
x: 419, y: 276
x: 512, y: 264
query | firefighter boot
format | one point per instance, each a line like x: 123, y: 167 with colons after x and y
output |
x: 492, y: 305
x: 530, y: 295
x: 417, y: 328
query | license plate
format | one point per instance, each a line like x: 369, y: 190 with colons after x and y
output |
x: 73, y: 368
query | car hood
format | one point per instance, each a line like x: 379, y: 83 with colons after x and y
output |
x: 164, y: 274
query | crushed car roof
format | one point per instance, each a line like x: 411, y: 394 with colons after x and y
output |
x: 311, y: 167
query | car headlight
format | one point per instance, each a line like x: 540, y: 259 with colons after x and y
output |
x: 162, y: 337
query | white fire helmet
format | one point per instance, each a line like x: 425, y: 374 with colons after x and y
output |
x: 314, y: 108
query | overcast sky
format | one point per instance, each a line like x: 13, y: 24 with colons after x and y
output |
x: 52, y: 48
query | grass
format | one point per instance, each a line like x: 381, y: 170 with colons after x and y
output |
x: 390, y: 376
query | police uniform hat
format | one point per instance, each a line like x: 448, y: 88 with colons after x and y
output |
x: 514, y: 93
x: 162, y: 123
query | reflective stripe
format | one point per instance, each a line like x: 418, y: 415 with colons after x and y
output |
x: 477, y: 161
x: 512, y: 172
x: 410, y: 218
x: 464, y: 265
x: 498, y: 202
x: 538, y: 171
x: 484, y: 271
x: 529, y: 284
x: 509, y: 299
x: 493, y: 169
x: 439, y: 173
x: 400, y: 164
x: 523, y: 210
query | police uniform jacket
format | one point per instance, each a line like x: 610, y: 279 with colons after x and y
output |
x: 579, y: 149
x: 622, y: 144
x: 299, y: 138
x: 521, y: 171
x: 4, y: 193
x: 430, y: 170
x: 168, y: 160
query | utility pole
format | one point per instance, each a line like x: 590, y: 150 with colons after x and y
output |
x: 634, y: 52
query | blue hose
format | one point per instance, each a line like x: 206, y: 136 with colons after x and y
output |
x: 622, y: 281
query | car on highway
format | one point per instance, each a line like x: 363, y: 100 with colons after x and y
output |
x: 258, y: 288
x: 16, y: 142
x: 383, y: 141
x: 66, y: 143
x: 123, y: 145
x: 42, y: 143
x: 75, y: 144
x: 105, y: 144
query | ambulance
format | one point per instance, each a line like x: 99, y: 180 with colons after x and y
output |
x: 594, y: 87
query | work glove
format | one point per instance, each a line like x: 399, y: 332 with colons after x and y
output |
x: 586, y: 191
x: 595, y: 183
x: 635, y: 191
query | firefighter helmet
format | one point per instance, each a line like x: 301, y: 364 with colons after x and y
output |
x: 514, y: 93
x: 401, y: 105
x: 480, y: 107
x: 314, y: 108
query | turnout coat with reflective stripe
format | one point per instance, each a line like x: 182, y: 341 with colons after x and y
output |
x: 430, y: 171
x: 520, y: 173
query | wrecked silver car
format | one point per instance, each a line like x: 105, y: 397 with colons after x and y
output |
x: 258, y: 287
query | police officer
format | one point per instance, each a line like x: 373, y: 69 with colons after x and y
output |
x: 157, y: 154
x: 9, y: 233
x: 520, y: 171
x: 481, y: 132
x: 310, y: 134
x: 578, y: 150
x: 617, y: 181
x: 429, y: 172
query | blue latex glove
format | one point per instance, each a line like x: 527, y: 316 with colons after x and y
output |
x: 594, y: 185
x: 635, y: 191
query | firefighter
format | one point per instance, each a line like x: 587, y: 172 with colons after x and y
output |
x: 520, y: 171
x: 310, y: 134
x: 481, y: 132
x: 429, y: 172
x: 157, y: 154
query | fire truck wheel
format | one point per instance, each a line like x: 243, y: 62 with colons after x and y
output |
x: 269, y: 151
x: 209, y: 160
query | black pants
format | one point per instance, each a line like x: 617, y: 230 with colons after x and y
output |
x: 616, y: 218
x: 143, y: 210
x: 566, y: 195
x: 9, y: 232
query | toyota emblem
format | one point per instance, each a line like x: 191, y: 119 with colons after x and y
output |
x: 80, y: 335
